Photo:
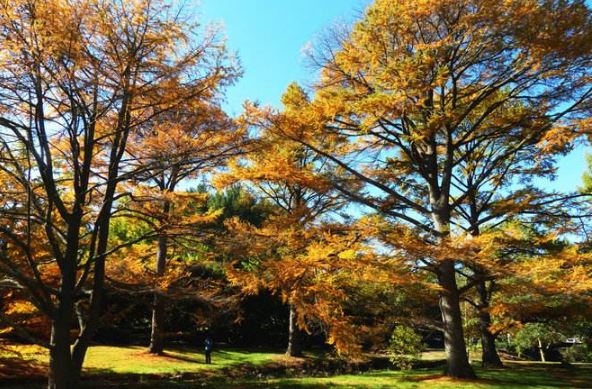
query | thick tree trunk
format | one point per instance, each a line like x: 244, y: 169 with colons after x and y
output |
x: 457, y: 362
x: 62, y: 372
x: 64, y: 369
x: 158, y: 311
x: 489, y: 355
x: 89, y: 320
x: 457, y: 359
x: 294, y: 336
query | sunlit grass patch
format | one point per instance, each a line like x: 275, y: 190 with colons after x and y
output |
x: 136, y: 360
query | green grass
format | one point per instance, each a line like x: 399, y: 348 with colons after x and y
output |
x: 506, y: 379
x: 181, y: 368
x: 510, y: 378
x: 135, y: 359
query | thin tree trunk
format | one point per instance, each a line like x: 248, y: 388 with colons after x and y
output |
x: 294, y: 335
x: 457, y: 362
x: 489, y: 355
x: 541, y: 351
x: 158, y: 311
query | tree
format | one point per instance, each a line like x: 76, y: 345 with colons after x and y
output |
x: 78, y: 79
x: 194, y: 285
x: 547, y: 277
x: 283, y: 172
x: 185, y: 144
x: 540, y: 276
x: 538, y: 336
x: 174, y: 234
x: 493, y: 200
x: 417, y: 89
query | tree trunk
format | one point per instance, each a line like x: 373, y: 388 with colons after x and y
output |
x: 457, y: 359
x: 541, y: 351
x: 457, y: 362
x: 294, y: 336
x: 158, y: 311
x: 489, y: 355
x: 62, y: 372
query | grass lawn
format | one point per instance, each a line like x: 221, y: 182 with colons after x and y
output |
x: 511, y: 378
x: 132, y: 368
x: 135, y: 359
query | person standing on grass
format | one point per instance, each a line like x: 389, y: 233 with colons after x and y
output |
x: 208, y: 345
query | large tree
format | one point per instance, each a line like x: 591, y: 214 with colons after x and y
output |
x: 77, y: 79
x: 184, y: 145
x: 285, y: 173
x: 417, y: 89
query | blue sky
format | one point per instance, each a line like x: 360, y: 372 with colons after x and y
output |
x: 269, y: 37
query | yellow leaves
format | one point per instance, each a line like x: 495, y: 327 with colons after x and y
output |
x: 20, y: 307
x: 205, y: 137
x: 565, y: 33
x: 348, y: 255
x: 175, y: 213
x: 294, y: 99
x: 133, y: 267
x: 309, y: 267
x: 40, y: 35
x: 407, y: 245
x: 345, y: 338
x: 558, y: 139
x: 518, y: 201
x: 131, y: 264
x: 566, y: 272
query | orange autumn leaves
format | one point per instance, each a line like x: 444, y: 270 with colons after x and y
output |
x: 403, y: 106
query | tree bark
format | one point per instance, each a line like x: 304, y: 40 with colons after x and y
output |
x: 158, y: 311
x: 457, y: 359
x: 294, y: 336
x: 541, y: 351
x: 62, y: 374
x: 457, y: 362
x: 489, y: 355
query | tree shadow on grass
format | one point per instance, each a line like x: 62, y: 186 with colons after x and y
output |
x: 180, y: 357
x: 238, y: 372
x: 553, y: 376
x: 19, y: 373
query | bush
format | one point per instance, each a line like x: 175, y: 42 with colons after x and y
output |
x: 577, y: 353
x: 405, y: 347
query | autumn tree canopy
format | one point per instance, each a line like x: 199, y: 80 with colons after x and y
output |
x: 79, y: 80
x: 411, y: 172
x: 185, y: 144
x: 429, y: 105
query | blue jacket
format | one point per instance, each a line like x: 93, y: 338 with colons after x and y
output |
x: 208, y: 344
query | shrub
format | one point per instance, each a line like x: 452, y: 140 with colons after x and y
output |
x: 405, y: 347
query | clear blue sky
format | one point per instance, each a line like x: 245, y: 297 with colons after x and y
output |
x: 269, y: 36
